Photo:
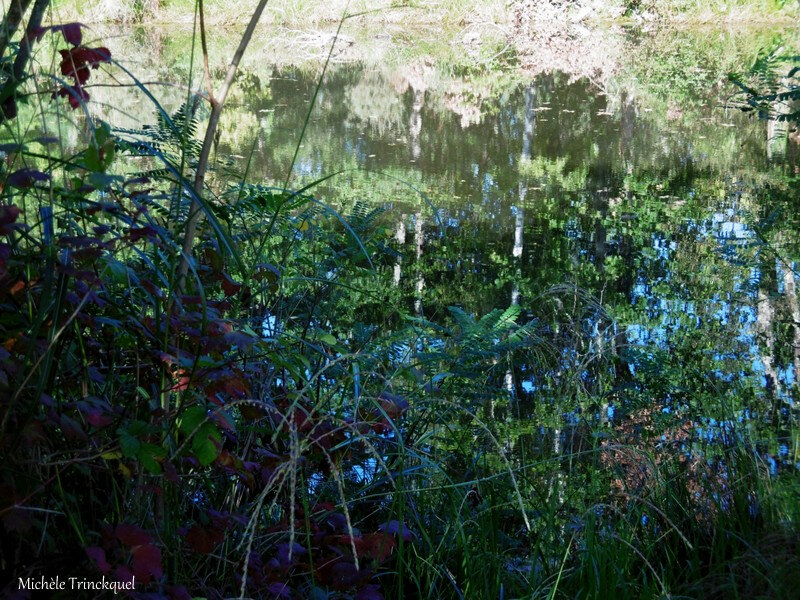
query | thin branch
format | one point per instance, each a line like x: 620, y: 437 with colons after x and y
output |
x: 208, y: 141
x: 35, y: 22
x: 204, y: 46
x: 11, y: 22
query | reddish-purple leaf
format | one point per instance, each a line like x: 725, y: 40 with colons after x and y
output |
x: 37, y: 33
x: 81, y: 57
x: 75, y: 94
x: 72, y: 33
x: 369, y: 592
x: 25, y: 178
x: 147, y: 562
x: 229, y: 286
x: 95, y: 375
x: 98, y: 555
x: 130, y: 535
x: 8, y: 216
x: 203, y: 541
x: 177, y: 592
x: 283, y: 552
x: 123, y: 574
x: 8, y: 108
x: 17, y: 520
x: 336, y: 521
x: 71, y: 428
x: 239, y: 339
x: 279, y: 590
x: 344, y: 575
x: 397, y: 528
x: 393, y: 405
x: 171, y: 473
x: 378, y: 546
x: 97, y: 419
x: 137, y: 233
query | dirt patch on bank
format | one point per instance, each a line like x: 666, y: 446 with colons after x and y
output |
x: 564, y: 36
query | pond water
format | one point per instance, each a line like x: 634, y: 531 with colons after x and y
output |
x: 674, y: 213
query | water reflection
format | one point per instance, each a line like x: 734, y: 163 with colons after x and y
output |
x: 678, y: 221
x: 557, y: 182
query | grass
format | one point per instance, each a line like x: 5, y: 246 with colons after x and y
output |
x: 295, y: 13
x: 310, y: 14
x: 261, y: 432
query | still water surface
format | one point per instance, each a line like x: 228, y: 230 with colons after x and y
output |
x: 677, y: 217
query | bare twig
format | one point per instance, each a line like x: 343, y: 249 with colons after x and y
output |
x: 204, y: 46
x: 208, y: 141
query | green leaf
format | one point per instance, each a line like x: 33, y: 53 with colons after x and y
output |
x: 149, y: 455
x: 116, y: 271
x: 326, y: 338
x: 191, y: 419
x: 204, y: 446
x: 103, y: 180
x: 128, y: 444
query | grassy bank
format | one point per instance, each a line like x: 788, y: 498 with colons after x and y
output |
x: 305, y: 13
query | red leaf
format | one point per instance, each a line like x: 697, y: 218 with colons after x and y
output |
x: 171, y: 473
x: 203, y: 541
x: 393, y: 405
x: 24, y: 178
x: 97, y: 419
x: 377, y: 546
x: 93, y: 56
x: 8, y: 216
x: 123, y: 574
x: 229, y: 286
x: 75, y: 95
x: 130, y: 535
x: 98, y: 555
x: 72, y: 33
x: 147, y: 562
x: 82, y: 57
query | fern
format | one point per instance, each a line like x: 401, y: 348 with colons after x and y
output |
x: 768, y: 85
x: 174, y: 142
